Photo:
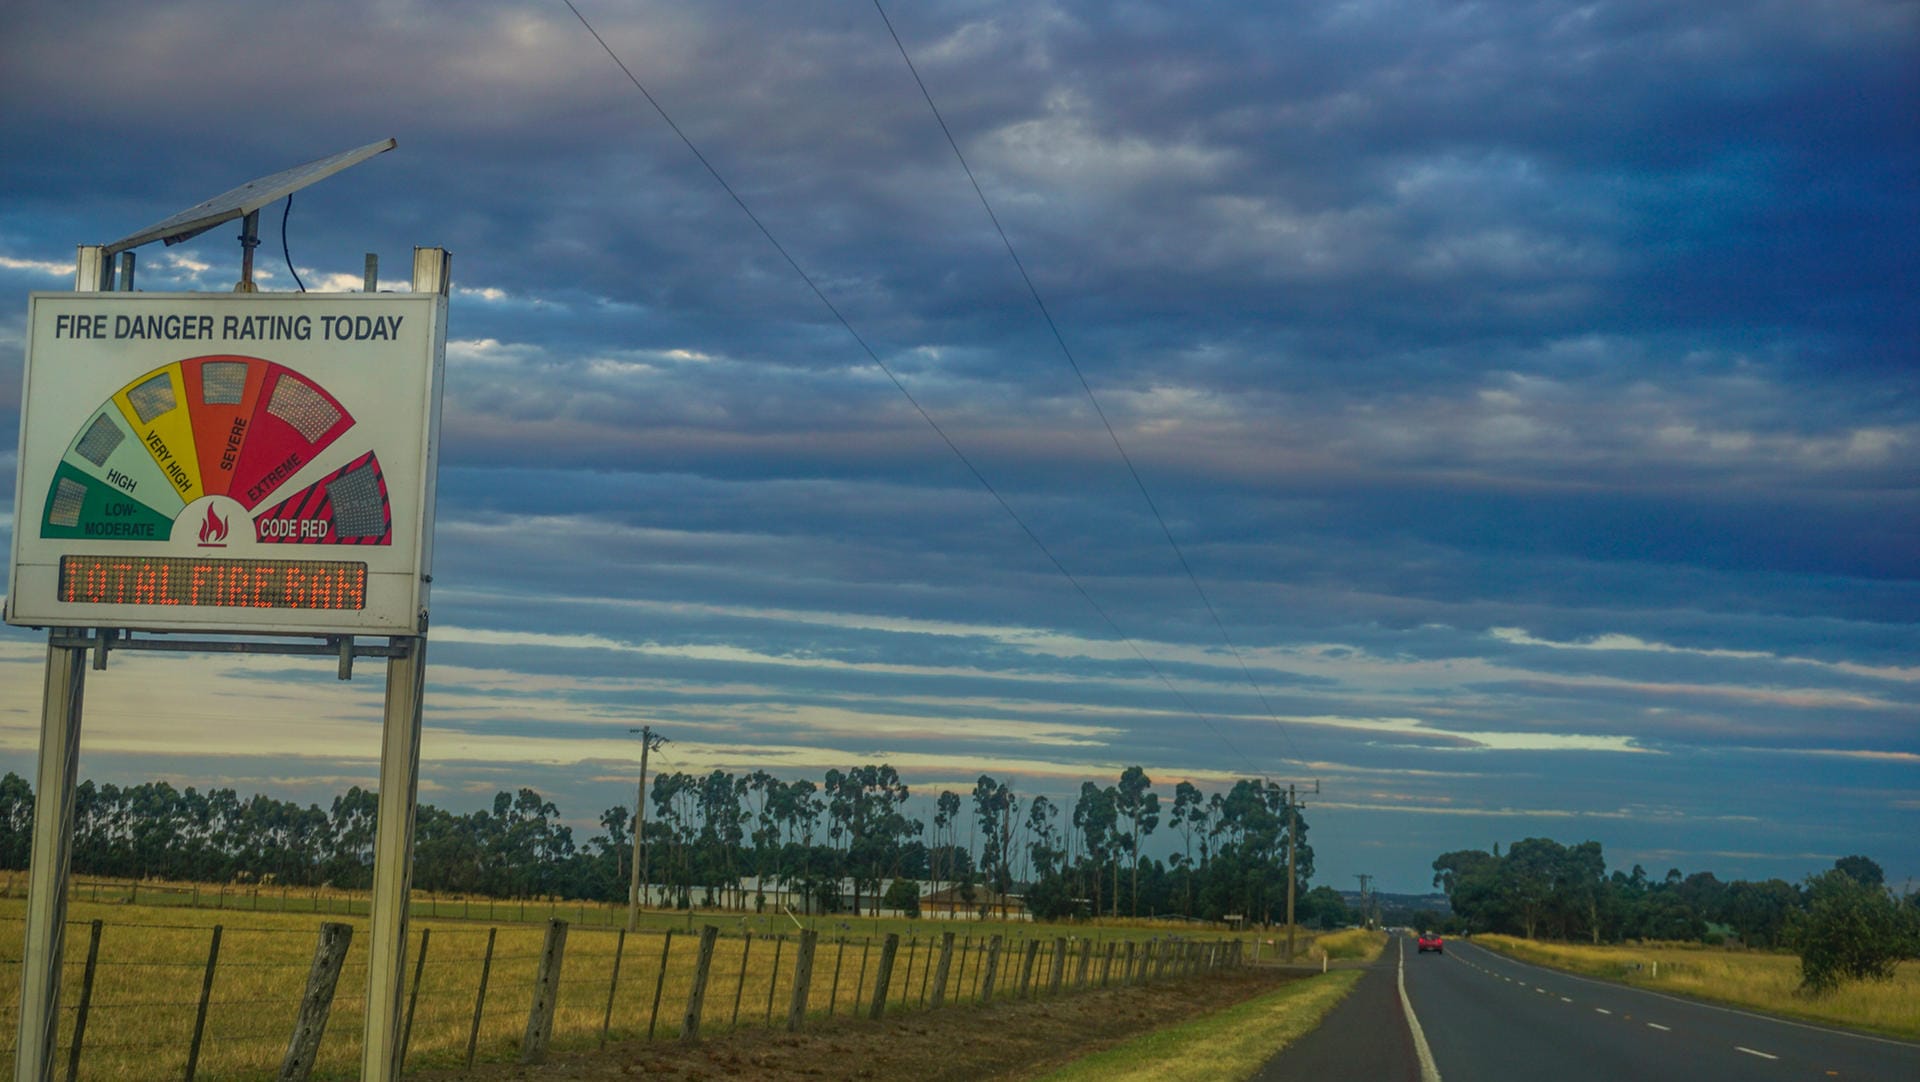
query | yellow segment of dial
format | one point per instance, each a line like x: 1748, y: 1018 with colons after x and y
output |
x: 155, y: 406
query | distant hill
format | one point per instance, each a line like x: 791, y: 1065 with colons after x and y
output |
x: 1400, y: 903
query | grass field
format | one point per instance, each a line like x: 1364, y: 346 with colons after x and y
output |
x: 1226, y: 1046
x: 153, y: 959
x: 1760, y: 980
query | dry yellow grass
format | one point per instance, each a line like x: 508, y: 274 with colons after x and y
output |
x: 1764, y: 981
x: 1351, y: 944
x: 152, y: 961
x: 1225, y: 1046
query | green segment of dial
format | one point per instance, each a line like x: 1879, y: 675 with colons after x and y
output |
x: 83, y: 506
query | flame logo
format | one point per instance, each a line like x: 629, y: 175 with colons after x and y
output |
x: 214, y: 530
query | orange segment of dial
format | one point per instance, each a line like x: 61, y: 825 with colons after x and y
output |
x: 221, y: 395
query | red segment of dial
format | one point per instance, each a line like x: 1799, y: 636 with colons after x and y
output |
x: 347, y: 507
x: 293, y: 421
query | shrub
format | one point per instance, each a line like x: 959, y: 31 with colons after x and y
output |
x: 1852, y: 931
x: 903, y: 895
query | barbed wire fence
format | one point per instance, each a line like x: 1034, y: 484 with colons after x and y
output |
x: 234, y: 1000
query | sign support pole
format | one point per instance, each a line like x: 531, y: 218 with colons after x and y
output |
x: 393, y: 860
x: 381, y: 1047
x: 44, y: 946
x: 52, y: 857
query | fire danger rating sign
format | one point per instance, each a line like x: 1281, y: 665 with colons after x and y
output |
x: 228, y: 462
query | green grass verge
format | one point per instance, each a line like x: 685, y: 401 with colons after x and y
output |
x: 1225, y: 1046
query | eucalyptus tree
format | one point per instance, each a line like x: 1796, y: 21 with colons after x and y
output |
x: 1141, y: 805
x: 1188, y: 816
x: 1096, y: 817
x: 675, y: 817
x: 946, y: 815
x: 995, y: 807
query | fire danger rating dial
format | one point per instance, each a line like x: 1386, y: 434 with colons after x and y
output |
x: 236, y: 429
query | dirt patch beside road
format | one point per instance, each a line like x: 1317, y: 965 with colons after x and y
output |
x: 1006, y: 1040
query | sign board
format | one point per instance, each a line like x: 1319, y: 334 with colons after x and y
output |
x: 238, y: 463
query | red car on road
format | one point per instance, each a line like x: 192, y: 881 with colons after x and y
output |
x: 1430, y: 941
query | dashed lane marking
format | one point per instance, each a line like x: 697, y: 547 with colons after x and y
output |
x: 1658, y: 1026
x: 1603, y: 1010
x: 1753, y: 1052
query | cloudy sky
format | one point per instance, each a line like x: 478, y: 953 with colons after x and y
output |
x: 1529, y: 387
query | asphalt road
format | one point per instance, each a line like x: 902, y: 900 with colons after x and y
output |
x: 1487, y: 1018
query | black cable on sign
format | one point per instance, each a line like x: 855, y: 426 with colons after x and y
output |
x: 284, y: 212
x: 899, y: 386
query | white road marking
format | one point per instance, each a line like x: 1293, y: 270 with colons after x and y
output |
x: 1603, y: 1010
x: 1564, y: 999
x: 1751, y: 1052
x: 1658, y: 1026
x: 1704, y: 1006
x: 1428, y: 1071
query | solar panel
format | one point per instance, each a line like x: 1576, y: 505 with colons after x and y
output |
x: 247, y: 198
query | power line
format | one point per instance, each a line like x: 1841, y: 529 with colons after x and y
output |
x: 899, y: 386
x: 1066, y: 352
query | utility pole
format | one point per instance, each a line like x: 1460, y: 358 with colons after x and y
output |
x: 1293, y: 820
x: 648, y: 741
x: 1366, y: 909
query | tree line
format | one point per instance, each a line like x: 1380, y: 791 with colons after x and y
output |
x: 706, y: 834
x: 1845, y: 922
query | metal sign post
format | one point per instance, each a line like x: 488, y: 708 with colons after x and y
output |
x: 52, y: 855
x: 399, y: 793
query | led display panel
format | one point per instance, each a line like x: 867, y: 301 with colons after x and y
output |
x: 238, y: 463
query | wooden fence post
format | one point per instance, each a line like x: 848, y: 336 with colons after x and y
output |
x: 988, y: 970
x: 697, y: 996
x: 613, y: 982
x: 1126, y: 967
x: 480, y: 998
x: 1086, y: 957
x: 659, y: 982
x: 883, y: 978
x: 546, y: 994
x: 802, y: 979
x: 413, y: 999
x: 206, y: 993
x: 1059, y: 964
x: 86, y: 999
x: 946, y: 965
x: 1026, y: 967
x: 739, y: 986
